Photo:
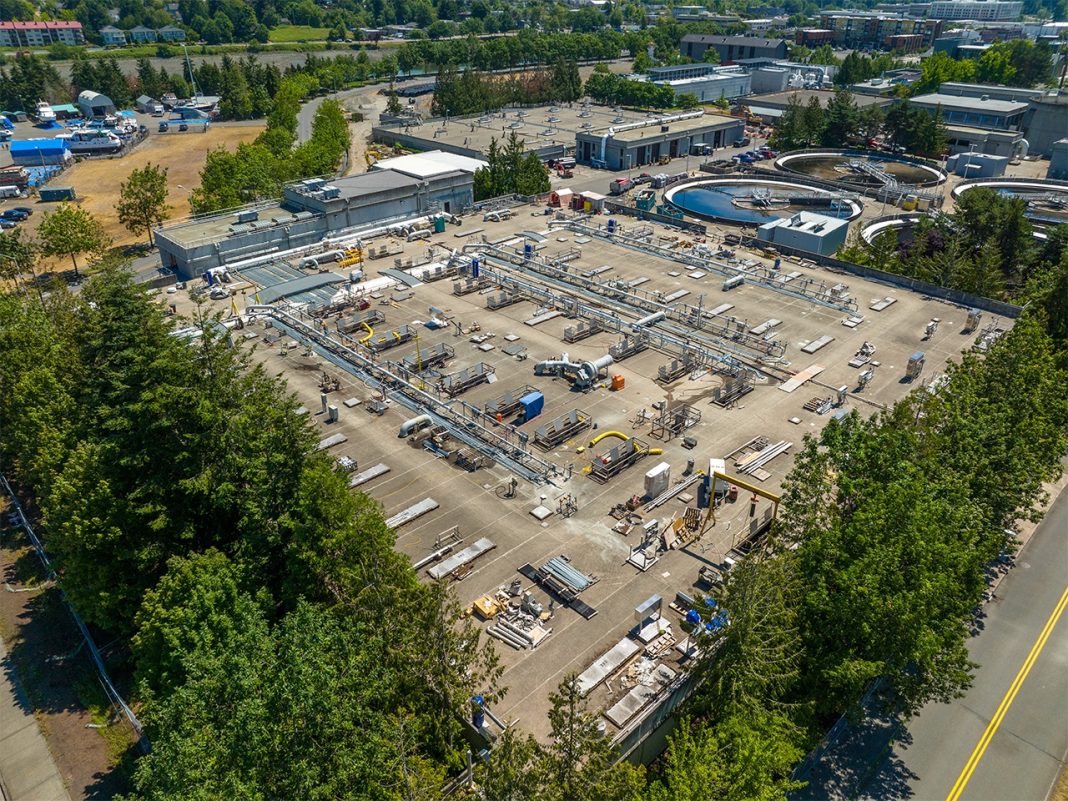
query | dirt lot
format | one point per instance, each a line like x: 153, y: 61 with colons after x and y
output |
x: 183, y: 154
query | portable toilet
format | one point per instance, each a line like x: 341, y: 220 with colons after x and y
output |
x: 532, y: 403
x: 439, y: 223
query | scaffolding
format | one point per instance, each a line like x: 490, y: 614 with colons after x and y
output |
x: 673, y: 421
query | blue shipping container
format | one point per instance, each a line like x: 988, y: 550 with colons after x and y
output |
x: 532, y: 403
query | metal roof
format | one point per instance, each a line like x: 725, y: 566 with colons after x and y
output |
x: 973, y: 104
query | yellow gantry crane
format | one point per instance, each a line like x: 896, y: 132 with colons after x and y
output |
x: 716, y: 471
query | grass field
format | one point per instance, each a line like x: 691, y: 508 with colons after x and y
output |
x: 298, y: 33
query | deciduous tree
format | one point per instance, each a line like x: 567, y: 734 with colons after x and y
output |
x: 143, y: 200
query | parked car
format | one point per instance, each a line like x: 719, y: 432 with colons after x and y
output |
x: 14, y: 215
x: 743, y: 142
x: 23, y: 210
x: 163, y: 127
x: 5, y: 224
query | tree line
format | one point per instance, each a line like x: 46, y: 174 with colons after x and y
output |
x: 257, y: 170
x: 511, y: 170
x: 842, y: 122
x: 473, y: 92
x: 985, y: 246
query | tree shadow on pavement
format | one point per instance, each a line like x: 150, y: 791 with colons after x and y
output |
x: 862, y: 762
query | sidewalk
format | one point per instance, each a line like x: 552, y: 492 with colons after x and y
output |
x: 27, y: 771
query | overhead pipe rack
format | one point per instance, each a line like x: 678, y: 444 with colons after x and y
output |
x: 820, y: 295
x: 469, y: 430
x: 684, y: 344
x: 732, y: 335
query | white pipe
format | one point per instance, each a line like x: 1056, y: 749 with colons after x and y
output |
x: 649, y: 319
x: 408, y: 426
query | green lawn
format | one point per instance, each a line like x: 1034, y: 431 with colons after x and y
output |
x: 298, y: 33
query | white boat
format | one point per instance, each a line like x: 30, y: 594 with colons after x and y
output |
x: 91, y: 142
x: 44, y: 112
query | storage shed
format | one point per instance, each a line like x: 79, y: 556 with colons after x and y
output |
x: 94, y: 104
x: 39, y: 152
x: 560, y: 198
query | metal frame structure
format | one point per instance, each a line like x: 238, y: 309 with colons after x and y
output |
x: 463, y: 421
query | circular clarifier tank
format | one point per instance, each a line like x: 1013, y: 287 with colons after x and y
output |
x: 861, y: 169
x: 1047, y: 201
x: 755, y: 201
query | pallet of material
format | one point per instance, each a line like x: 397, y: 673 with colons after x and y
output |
x: 331, y: 441
x: 816, y: 344
x: 885, y: 303
x: 370, y: 474
x: 639, y: 697
x: 800, y: 378
x: 468, y: 285
x: 555, y: 587
x: 412, y: 513
x: 502, y: 300
x: 461, y: 558
x: 678, y: 294
x: 723, y: 308
x: 765, y: 326
x: 543, y: 318
x: 607, y: 664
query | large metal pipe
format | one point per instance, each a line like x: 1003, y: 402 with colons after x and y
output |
x: 408, y: 426
x: 606, y: 434
x: 649, y: 319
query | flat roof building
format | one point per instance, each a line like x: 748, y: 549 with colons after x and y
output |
x: 310, y: 211
x: 724, y: 85
x: 732, y: 48
x: 885, y: 31
x: 812, y: 233
x: 774, y: 104
x: 40, y: 34
x: 978, y: 112
x: 649, y: 141
x: 988, y: 10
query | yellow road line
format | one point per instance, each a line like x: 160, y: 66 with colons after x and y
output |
x: 1006, y: 702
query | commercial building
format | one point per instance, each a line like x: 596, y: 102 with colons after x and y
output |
x: 732, y: 48
x: 861, y: 29
x: 40, y: 34
x: 973, y: 164
x: 813, y: 233
x: 649, y: 141
x: 94, y: 104
x: 677, y: 72
x: 980, y: 112
x: 724, y: 84
x: 311, y: 211
x: 987, y: 10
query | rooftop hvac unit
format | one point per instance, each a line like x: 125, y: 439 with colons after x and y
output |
x: 331, y: 192
x: 313, y: 184
x: 663, y: 129
x: 247, y: 216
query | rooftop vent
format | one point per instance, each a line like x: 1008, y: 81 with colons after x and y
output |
x: 984, y: 98
x: 247, y: 216
x: 331, y: 192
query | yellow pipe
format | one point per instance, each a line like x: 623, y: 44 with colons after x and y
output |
x: 655, y: 451
x: 370, y: 333
x: 602, y: 435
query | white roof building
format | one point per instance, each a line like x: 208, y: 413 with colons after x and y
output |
x: 430, y: 164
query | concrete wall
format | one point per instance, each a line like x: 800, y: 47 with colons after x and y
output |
x: 1048, y: 123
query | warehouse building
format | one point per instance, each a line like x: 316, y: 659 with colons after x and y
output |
x: 650, y: 141
x: 812, y: 233
x: 94, y: 104
x: 732, y: 48
x: 310, y: 211
x: 40, y: 152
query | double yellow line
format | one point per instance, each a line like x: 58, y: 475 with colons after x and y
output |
x: 1006, y: 702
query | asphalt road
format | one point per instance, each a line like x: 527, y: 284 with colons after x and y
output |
x: 951, y: 752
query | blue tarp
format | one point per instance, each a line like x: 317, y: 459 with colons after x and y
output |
x: 6, y: 123
x: 42, y: 146
x: 49, y: 126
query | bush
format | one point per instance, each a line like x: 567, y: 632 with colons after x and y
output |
x: 164, y: 51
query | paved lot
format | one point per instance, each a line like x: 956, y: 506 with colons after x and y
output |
x: 27, y: 772
x: 470, y: 501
